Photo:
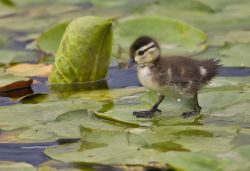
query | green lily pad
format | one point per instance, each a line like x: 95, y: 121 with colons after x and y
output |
x: 3, y: 41
x: 67, y: 125
x: 84, y: 51
x: 184, y: 38
x: 62, y: 114
x: 209, y: 16
x: 7, y: 78
x: 13, y: 166
x: 211, y: 101
x: 192, y: 5
x: 132, y: 155
x: 8, y: 3
x: 193, y: 161
x: 29, y: 115
x: 215, y: 140
x: 10, y: 56
x: 142, y: 147
x: 49, y: 40
x: 236, y: 54
x: 220, y: 38
x: 239, y: 158
x: 231, y: 115
x: 175, y: 37
x: 233, y: 82
x: 106, y: 155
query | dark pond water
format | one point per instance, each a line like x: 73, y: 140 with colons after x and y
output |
x: 29, y: 153
x: 118, y: 78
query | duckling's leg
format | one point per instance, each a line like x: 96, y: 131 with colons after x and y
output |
x: 197, y: 108
x: 149, y: 113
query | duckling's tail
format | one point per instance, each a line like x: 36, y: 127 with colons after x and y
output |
x: 209, y: 69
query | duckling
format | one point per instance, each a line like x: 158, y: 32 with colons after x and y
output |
x: 181, y: 75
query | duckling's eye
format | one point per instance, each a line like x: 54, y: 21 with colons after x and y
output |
x: 140, y: 52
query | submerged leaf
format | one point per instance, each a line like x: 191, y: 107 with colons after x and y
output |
x: 84, y: 51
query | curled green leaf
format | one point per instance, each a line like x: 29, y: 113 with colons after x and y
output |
x: 84, y: 51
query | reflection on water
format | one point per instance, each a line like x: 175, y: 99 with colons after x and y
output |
x: 78, y: 87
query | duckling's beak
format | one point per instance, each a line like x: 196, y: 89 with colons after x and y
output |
x: 130, y: 63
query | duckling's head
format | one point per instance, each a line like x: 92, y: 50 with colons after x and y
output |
x: 144, y: 50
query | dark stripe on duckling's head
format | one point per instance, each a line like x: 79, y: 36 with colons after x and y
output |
x: 141, y: 45
x: 143, y: 49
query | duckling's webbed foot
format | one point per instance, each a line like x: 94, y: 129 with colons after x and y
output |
x: 189, y: 114
x: 145, y: 114
x: 149, y: 113
x: 196, y: 111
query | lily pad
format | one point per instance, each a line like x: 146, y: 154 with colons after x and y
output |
x: 172, y: 107
x: 12, y: 166
x: 49, y: 40
x: 29, y: 115
x: 209, y: 16
x: 84, y: 51
x: 175, y: 37
x: 26, y: 69
x: 184, y: 38
x: 193, y: 161
x: 67, y: 125
x: 7, y: 78
x: 3, y: 41
x: 231, y: 115
x: 220, y: 38
x: 236, y: 54
x: 8, y: 3
x: 110, y: 135
x: 141, y: 147
x: 10, y: 56
x: 54, y: 121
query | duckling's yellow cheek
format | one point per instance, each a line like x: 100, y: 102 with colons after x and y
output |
x: 150, y: 57
x: 139, y: 59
